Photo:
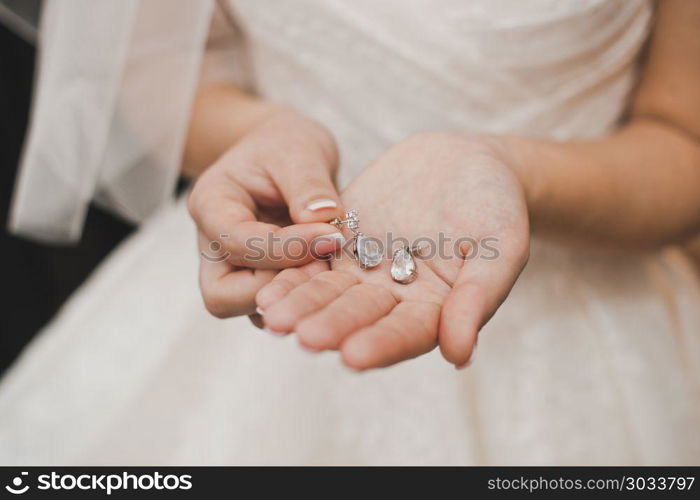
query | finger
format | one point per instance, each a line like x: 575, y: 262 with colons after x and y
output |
x: 480, y: 289
x: 307, y: 298
x: 284, y: 282
x: 257, y: 320
x: 359, y: 306
x: 224, y: 213
x: 267, y: 246
x: 309, y: 191
x: 228, y: 291
x: 233, y: 294
x: 409, y: 330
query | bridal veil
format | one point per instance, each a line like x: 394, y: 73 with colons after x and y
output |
x: 110, y: 112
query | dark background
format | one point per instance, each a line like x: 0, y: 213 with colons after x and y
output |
x: 35, y: 279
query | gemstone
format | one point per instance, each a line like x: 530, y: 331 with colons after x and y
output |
x: 352, y: 220
x: 403, y: 266
x: 368, y: 251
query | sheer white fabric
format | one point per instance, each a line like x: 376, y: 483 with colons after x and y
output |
x: 110, y: 113
x: 593, y: 359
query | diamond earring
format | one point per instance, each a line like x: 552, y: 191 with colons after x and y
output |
x: 403, y: 264
x: 367, y: 250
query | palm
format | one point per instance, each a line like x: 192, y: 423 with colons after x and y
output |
x: 467, y: 195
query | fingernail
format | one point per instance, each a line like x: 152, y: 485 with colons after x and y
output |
x: 320, y: 204
x: 327, y: 243
x: 259, y: 310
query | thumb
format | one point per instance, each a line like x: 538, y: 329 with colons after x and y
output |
x: 310, y: 193
x: 480, y: 289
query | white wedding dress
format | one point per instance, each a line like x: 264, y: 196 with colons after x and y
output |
x: 593, y: 359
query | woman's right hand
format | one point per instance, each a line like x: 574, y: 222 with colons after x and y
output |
x: 260, y: 208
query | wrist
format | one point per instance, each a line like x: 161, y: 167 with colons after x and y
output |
x: 517, y: 154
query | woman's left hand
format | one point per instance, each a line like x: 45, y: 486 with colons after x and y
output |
x: 457, y: 191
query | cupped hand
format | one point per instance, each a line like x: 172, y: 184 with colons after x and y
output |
x: 456, y: 192
x: 261, y: 207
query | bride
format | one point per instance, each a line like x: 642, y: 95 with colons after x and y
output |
x: 466, y: 121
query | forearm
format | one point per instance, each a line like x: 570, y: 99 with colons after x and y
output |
x: 641, y: 185
x: 638, y: 187
x: 221, y: 115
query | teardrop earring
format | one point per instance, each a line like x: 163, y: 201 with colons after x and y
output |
x: 403, y: 264
x: 367, y: 250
